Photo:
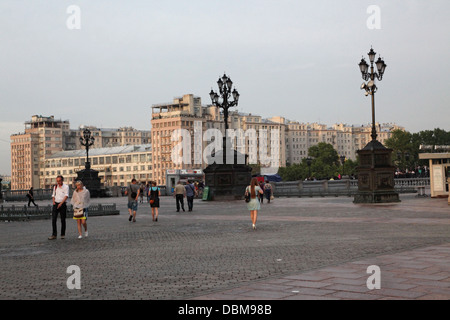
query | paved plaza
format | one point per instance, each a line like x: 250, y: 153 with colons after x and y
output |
x: 303, y: 248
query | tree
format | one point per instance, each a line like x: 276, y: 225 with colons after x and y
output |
x: 325, y: 152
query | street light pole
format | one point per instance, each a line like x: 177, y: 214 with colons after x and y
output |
x: 370, y: 86
x: 225, y: 85
x: 87, y: 140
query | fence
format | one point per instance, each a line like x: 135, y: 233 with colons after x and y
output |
x: 20, y: 213
x: 344, y: 187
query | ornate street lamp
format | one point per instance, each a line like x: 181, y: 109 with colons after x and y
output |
x: 227, y: 180
x: 370, y: 87
x: 87, y: 141
x: 222, y: 100
x: 376, y: 182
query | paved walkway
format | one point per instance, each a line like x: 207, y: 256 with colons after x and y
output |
x: 422, y: 274
x: 303, y: 248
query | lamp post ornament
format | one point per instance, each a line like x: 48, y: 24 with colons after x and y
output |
x: 87, y: 140
x: 370, y: 86
x: 225, y: 84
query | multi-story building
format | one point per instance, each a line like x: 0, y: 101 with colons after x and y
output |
x: 186, y: 112
x: 345, y: 139
x: 44, y: 136
x: 116, y: 165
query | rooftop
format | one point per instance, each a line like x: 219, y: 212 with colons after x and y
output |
x: 102, y: 151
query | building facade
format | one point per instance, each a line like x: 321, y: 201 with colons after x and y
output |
x: 116, y: 165
x: 45, y: 136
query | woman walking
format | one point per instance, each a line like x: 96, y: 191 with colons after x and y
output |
x: 80, y: 200
x: 154, y: 194
x: 253, y: 190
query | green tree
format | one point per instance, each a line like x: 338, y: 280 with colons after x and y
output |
x: 325, y: 152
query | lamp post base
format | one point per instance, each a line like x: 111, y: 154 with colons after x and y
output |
x: 376, y: 182
x: 376, y: 197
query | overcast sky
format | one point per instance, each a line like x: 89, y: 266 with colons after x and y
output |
x: 290, y: 58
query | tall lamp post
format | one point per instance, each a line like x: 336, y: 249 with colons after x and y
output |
x: 370, y: 87
x: 224, y: 102
x: 376, y: 182
x: 227, y: 180
x: 87, y: 141
x: 88, y: 176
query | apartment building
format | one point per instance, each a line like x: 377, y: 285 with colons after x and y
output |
x: 186, y: 112
x: 116, y: 165
x: 45, y: 136
x: 346, y: 139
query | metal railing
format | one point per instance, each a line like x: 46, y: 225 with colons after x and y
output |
x: 21, y: 213
x: 344, y: 187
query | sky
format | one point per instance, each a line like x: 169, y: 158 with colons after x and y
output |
x: 290, y: 58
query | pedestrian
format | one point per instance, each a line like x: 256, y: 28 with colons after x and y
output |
x: 141, y: 193
x: 261, y: 196
x: 179, y: 193
x: 30, y: 197
x: 254, y: 190
x: 154, y: 194
x: 268, y: 191
x: 190, y: 194
x: 60, y: 195
x: 80, y: 200
x: 132, y: 192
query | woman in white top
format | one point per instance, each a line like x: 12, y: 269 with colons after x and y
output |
x: 80, y: 199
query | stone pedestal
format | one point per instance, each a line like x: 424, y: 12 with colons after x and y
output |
x: 91, y: 181
x: 228, y: 181
x: 375, y: 175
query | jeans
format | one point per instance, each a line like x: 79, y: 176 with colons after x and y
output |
x: 180, y: 200
x: 190, y: 201
x: 62, y: 211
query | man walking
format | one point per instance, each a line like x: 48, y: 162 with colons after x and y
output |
x: 30, y: 197
x: 60, y: 195
x: 190, y: 194
x: 133, y: 192
x: 180, y: 193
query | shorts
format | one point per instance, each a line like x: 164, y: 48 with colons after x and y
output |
x: 133, y: 205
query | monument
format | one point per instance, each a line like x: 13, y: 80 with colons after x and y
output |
x: 88, y: 176
x: 375, y: 171
x: 227, y: 180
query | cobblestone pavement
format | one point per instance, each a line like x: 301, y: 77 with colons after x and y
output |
x: 303, y: 248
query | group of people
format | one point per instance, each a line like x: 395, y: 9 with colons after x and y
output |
x: 135, y: 191
x: 81, y: 199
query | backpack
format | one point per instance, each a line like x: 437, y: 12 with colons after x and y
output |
x: 133, y: 194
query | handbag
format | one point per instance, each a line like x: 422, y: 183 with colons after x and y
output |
x: 247, y: 195
x: 152, y: 201
x: 78, y: 212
